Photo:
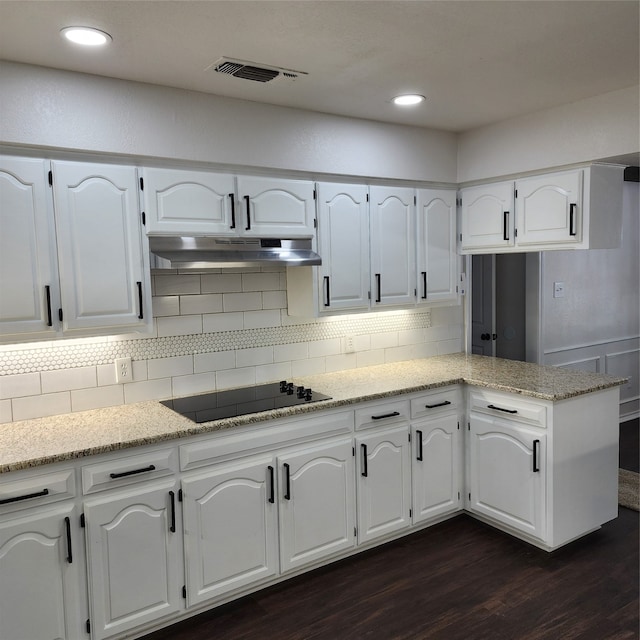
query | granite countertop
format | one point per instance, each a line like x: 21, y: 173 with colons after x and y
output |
x: 32, y: 443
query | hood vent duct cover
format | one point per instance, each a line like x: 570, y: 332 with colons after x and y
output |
x: 203, y: 252
x: 253, y: 70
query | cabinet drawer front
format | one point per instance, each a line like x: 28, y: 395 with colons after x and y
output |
x: 236, y: 443
x: 508, y: 406
x: 122, y: 471
x: 382, y: 413
x: 435, y: 403
x: 37, y: 490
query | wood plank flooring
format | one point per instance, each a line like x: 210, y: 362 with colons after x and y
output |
x: 458, y: 580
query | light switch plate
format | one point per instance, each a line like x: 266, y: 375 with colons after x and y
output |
x: 558, y: 289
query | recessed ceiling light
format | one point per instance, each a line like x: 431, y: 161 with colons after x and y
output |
x: 87, y: 36
x: 408, y: 99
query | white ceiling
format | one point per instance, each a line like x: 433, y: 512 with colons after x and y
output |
x: 477, y: 61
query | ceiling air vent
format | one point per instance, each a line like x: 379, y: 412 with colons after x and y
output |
x: 252, y: 70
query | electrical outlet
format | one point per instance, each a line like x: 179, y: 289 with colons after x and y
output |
x: 124, y: 370
x: 348, y: 344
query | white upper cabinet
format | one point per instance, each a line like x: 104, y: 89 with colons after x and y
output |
x: 392, y: 246
x: 28, y: 263
x: 189, y: 202
x: 576, y: 209
x: 184, y: 202
x: 487, y: 218
x: 72, y: 258
x: 104, y: 284
x: 436, y: 249
x: 274, y: 207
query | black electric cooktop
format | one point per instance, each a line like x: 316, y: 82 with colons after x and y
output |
x: 239, y: 402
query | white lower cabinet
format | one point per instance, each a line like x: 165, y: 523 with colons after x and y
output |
x: 436, y: 467
x: 317, y: 503
x: 230, y: 527
x: 134, y: 557
x: 384, y: 482
x: 41, y: 575
x: 507, y: 465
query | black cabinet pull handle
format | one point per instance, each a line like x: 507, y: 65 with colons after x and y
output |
x: 47, y: 293
x: 393, y: 414
x: 419, y: 436
x: 28, y: 496
x: 365, y: 467
x: 233, y: 210
x: 424, y: 285
x: 172, y: 497
x: 67, y: 525
x: 378, y: 288
x: 141, y: 314
x: 493, y: 406
x: 287, y: 481
x: 122, y: 474
x: 247, y: 200
x: 572, y: 219
x: 327, y: 292
x: 435, y: 406
x: 536, y: 465
x: 505, y: 225
x: 272, y: 484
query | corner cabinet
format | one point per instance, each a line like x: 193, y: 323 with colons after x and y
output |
x: 83, y: 266
x: 575, y: 209
x: 179, y: 201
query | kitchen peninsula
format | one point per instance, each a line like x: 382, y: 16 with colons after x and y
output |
x: 219, y: 509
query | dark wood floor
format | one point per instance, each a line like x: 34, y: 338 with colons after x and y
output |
x: 458, y: 580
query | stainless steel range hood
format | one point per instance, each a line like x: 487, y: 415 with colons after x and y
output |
x: 204, y: 252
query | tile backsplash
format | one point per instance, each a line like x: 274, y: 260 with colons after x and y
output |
x: 213, y: 331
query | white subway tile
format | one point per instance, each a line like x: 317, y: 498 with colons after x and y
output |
x: 450, y: 346
x: 254, y: 356
x: 217, y: 361
x: 50, y: 404
x: 204, y: 303
x: 362, y: 343
x: 261, y: 319
x: 434, y: 334
x: 5, y: 411
x: 283, y: 281
x: 308, y: 367
x: 179, y: 325
x: 165, y: 306
x: 107, y: 374
x: 384, y: 340
x: 328, y: 347
x: 177, y: 284
x: 274, y: 299
x: 139, y: 370
x: 216, y: 322
x: 411, y: 336
x: 273, y: 372
x: 68, y: 379
x: 341, y: 362
x: 20, y: 384
x: 250, y: 301
x: 169, y: 367
x: 287, y: 352
x: 221, y: 283
x: 147, y: 390
x: 370, y: 358
x: 260, y: 281
x: 97, y: 398
x: 197, y: 383
x: 235, y: 378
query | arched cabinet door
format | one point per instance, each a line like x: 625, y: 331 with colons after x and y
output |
x: 507, y: 465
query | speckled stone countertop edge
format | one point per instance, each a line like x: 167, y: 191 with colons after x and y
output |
x: 175, y: 427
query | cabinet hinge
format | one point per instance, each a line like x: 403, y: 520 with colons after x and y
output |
x: 468, y: 426
x: 315, y: 223
x: 60, y: 315
x: 409, y: 434
x: 144, y: 219
x: 51, y: 178
x: 179, y: 495
x: 87, y: 625
x: 184, y: 591
x: 458, y: 425
x: 353, y: 451
x: 367, y: 197
x: 515, y: 233
x: 515, y: 193
x: 410, y: 513
x: 460, y: 237
x: 415, y: 200
x: 415, y: 293
x: 315, y: 195
x: 355, y: 532
x: 469, y: 496
x: 458, y: 495
x: 141, y: 184
x: 82, y: 523
x: 369, y: 295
